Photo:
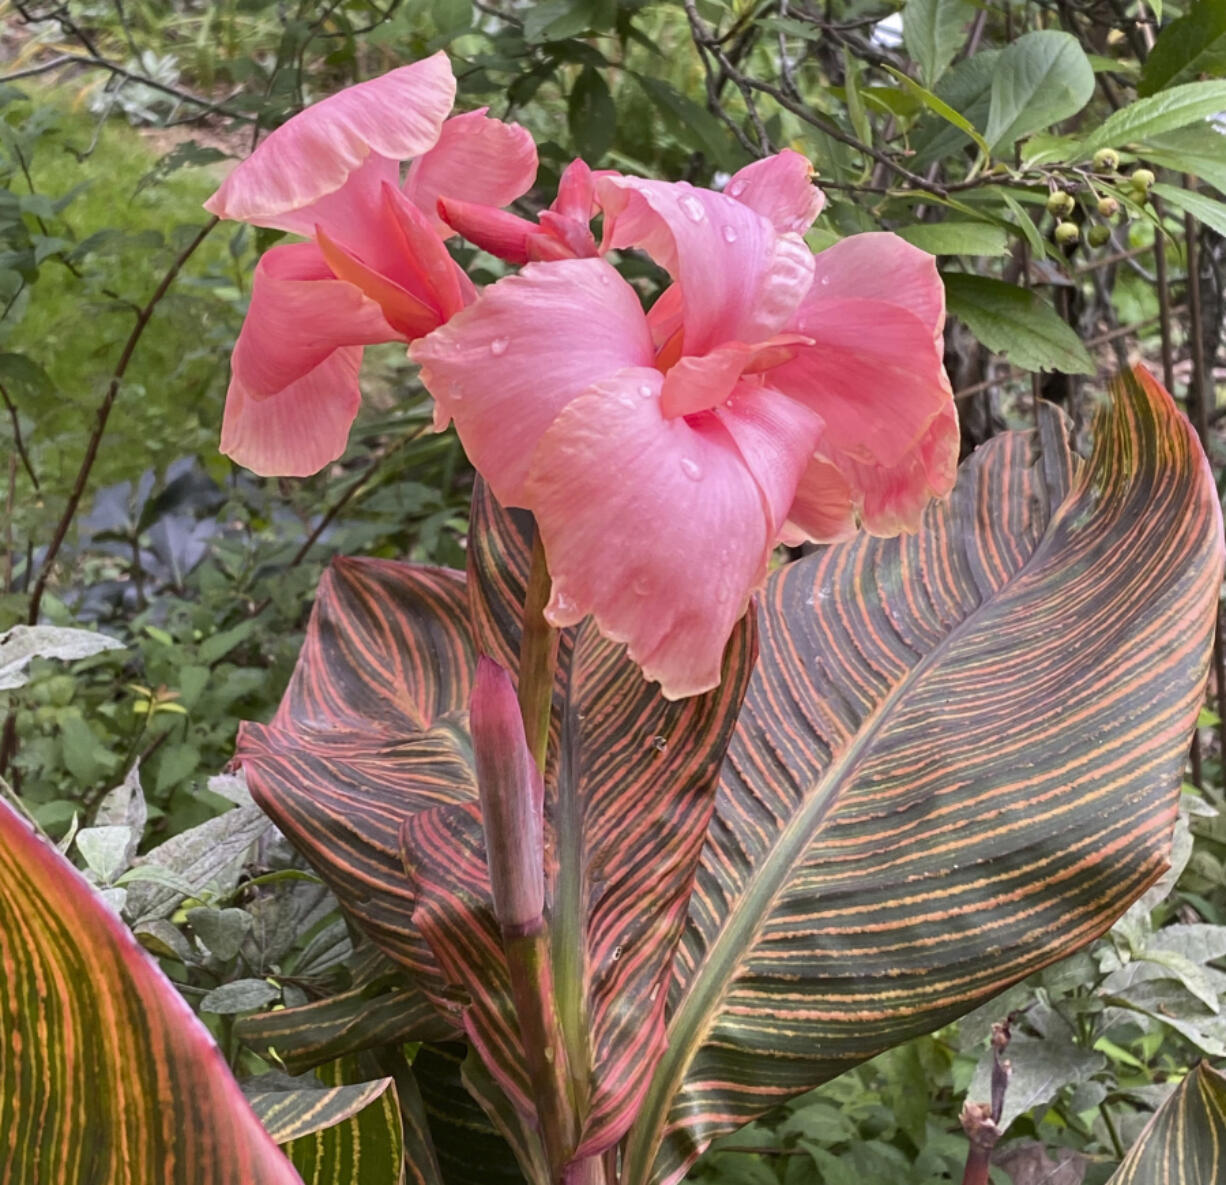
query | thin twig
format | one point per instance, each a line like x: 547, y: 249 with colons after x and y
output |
x: 18, y: 441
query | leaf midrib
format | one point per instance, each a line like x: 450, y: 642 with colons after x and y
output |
x: 717, y: 969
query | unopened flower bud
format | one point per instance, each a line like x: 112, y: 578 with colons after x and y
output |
x: 1142, y: 179
x: 1106, y: 160
x: 1108, y: 207
x: 1066, y: 233
x: 1060, y: 203
x: 512, y: 800
x: 1096, y: 236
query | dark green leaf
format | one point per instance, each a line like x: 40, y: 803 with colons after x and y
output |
x: 591, y: 115
x: 933, y: 32
x: 1040, y: 79
x: 1188, y: 48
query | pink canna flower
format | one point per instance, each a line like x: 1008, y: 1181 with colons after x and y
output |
x: 769, y: 393
x: 376, y: 267
x: 563, y: 231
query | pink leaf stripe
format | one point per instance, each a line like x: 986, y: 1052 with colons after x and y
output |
x: 105, y: 1074
x: 959, y: 759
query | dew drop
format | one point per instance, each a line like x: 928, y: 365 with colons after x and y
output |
x: 659, y: 744
x: 736, y: 189
x: 824, y: 281
x: 645, y: 391
x: 499, y: 345
x: 563, y: 605
x: 641, y: 587
x: 693, y: 208
x: 691, y: 469
x: 729, y: 233
x: 617, y: 953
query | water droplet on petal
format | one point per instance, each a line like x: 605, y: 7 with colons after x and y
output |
x: 736, y: 189
x: 824, y: 281
x: 659, y: 744
x: 563, y: 605
x: 604, y: 277
x: 691, y: 469
x: 641, y: 587
x: 729, y: 234
x: 693, y: 208
x: 645, y: 391
x: 499, y: 345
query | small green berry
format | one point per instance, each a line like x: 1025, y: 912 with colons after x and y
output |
x: 1096, y: 236
x: 1106, y: 160
x: 1142, y: 179
x: 1108, y: 207
x: 1066, y: 233
x: 1060, y: 203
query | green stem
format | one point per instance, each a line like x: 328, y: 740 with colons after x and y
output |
x: 538, y: 658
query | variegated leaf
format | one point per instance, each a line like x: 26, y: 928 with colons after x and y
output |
x: 959, y: 760
x: 105, y: 1073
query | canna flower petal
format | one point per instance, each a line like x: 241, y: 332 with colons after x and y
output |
x: 397, y: 116
x: 781, y: 189
x: 739, y: 279
x: 293, y: 390
x: 504, y: 367
x: 478, y: 160
x: 873, y: 374
x: 501, y: 233
x: 879, y: 266
x: 824, y: 509
x: 299, y: 314
x: 699, y: 382
x: 301, y: 428
x: 654, y: 526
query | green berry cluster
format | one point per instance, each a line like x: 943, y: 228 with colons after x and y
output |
x: 1062, y: 205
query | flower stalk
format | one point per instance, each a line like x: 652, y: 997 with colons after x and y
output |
x: 538, y: 657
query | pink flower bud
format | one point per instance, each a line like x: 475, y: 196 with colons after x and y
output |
x: 512, y: 800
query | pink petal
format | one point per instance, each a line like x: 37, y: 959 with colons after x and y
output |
x: 891, y: 498
x: 781, y: 189
x: 739, y: 279
x: 879, y: 266
x: 654, y: 526
x: 698, y: 382
x: 299, y: 314
x: 301, y: 428
x: 874, y: 375
x: 506, y: 365
x: 576, y: 192
x: 398, y: 116
x: 775, y: 437
x: 823, y: 510
x: 476, y: 159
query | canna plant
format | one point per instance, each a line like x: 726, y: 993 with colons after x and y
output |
x: 648, y: 839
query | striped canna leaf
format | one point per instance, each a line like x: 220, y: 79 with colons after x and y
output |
x: 959, y: 760
x: 371, y: 730
x: 1185, y: 1142
x: 105, y: 1074
x: 340, y: 1135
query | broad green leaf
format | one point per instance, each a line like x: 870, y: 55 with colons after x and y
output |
x: 242, y: 995
x: 1164, y: 112
x: 690, y: 121
x: 956, y: 238
x: 338, y: 1134
x: 1200, y: 151
x: 591, y: 115
x: 855, y: 103
x: 220, y: 930
x: 1016, y: 323
x: 26, y: 642
x: 1041, y: 1068
x: 105, y: 850
x: 905, y: 826
x: 1209, y: 210
x: 1039, y: 79
x: 933, y: 31
x: 966, y: 89
x: 108, y: 1075
x: 1185, y: 1142
x: 1190, y: 47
